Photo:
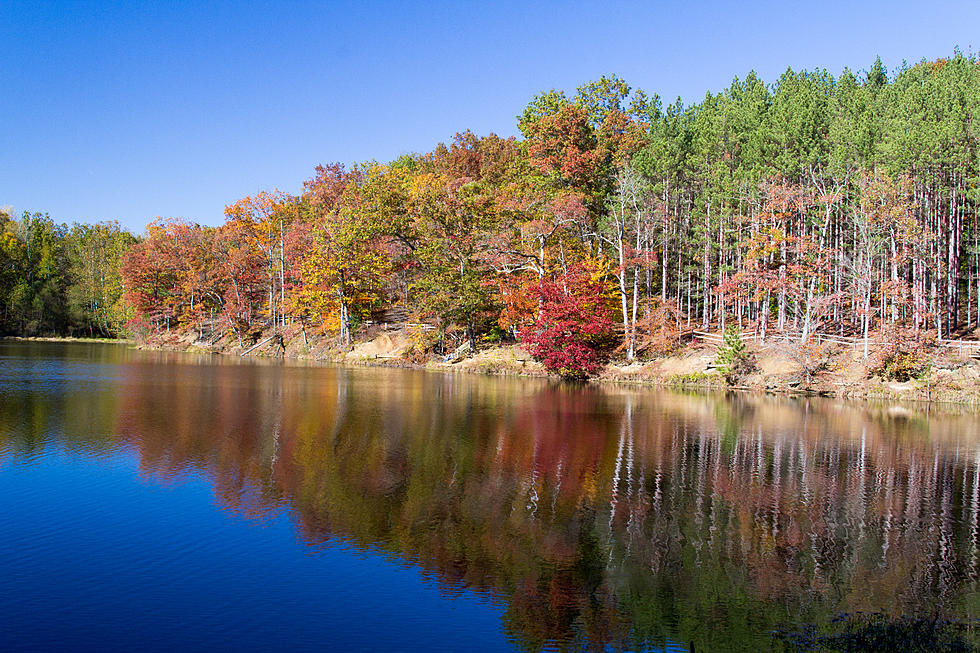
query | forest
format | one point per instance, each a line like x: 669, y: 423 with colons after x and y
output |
x: 56, y: 279
x: 614, y: 226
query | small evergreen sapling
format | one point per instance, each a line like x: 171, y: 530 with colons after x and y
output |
x: 733, y: 358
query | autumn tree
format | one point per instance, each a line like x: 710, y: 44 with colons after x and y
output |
x: 151, y: 273
x: 453, y: 204
x: 573, y: 333
x: 813, y: 204
x: 95, y: 296
x: 262, y: 222
x: 342, y: 274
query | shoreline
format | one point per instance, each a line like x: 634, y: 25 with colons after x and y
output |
x: 956, y: 384
x: 951, y: 381
x: 128, y: 341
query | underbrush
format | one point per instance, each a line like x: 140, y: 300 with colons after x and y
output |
x: 904, y: 357
x: 695, y: 379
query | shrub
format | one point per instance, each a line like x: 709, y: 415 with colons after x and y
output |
x: 812, y: 357
x: 903, y: 358
x: 659, y: 331
x: 574, y: 331
x: 421, y: 341
x: 733, y: 358
x: 693, y: 378
x: 138, y: 330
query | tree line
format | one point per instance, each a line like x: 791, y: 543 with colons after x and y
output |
x: 56, y: 279
x: 815, y: 203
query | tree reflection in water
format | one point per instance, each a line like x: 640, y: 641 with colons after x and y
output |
x: 598, y: 517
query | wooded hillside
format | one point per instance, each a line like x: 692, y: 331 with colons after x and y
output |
x: 816, y: 203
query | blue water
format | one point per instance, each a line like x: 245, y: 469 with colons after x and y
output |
x: 96, y: 555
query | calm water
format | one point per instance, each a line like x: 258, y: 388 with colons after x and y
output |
x: 153, y: 501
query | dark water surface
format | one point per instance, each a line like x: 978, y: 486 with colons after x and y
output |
x: 153, y: 501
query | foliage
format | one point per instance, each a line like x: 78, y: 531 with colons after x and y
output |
x: 813, y: 358
x: 342, y: 273
x: 847, y: 205
x: 573, y: 331
x: 422, y: 341
x: 660, y: 328
x: 904, y: 356
x: 733, y: 358
x: 56, y: 279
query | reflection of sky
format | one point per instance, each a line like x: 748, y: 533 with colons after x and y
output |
x: 91, y: 557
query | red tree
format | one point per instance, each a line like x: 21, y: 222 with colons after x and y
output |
x: 574, y: 329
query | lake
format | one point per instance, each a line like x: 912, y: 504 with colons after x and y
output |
x: 153, y: 501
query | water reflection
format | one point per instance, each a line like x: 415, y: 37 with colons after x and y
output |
x: 597, y: 517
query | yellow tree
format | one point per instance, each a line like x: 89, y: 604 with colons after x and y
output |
x: 343, y: 273
x: 263, y: 219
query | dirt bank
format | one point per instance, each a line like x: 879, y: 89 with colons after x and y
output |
x: 839, y: 371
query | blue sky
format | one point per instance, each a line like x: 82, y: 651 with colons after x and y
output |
x: 128, y: 111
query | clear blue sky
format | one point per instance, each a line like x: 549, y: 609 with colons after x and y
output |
x: 128, y: 111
